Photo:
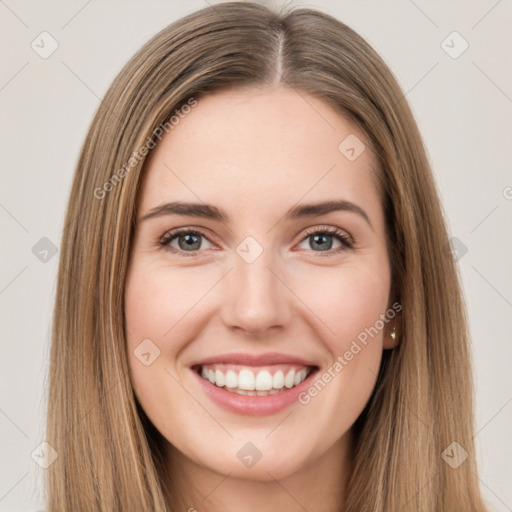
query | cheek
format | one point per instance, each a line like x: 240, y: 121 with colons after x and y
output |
x: 362, y: 299
x: 157, y: 301
x: 351, y: 302
x: 153, y: 305
x: 150, y: 312
x: 161, y: 314
x: 348, y: 300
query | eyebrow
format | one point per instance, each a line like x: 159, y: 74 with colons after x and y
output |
x: 208, y: 211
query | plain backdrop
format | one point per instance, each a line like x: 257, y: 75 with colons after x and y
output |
x: 462, y: 100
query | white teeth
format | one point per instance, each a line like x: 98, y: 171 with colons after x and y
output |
x: 245, y: 382
x: 231, y: 379
x: 299, y: 377
x: 278, y: 379
x: 289, y: 379
x: 220, y: 379
x: 264, y: 381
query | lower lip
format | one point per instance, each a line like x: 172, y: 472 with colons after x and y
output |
x: 253, y: 405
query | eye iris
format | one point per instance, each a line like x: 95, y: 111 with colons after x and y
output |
x: 319, y: 239
x: 191, y: 242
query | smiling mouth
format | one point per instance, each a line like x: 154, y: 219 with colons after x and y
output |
x: 254, y: 381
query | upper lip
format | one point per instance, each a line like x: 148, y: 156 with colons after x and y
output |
x: 254, y: 360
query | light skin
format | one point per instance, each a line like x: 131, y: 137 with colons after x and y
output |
x: 256, y: 154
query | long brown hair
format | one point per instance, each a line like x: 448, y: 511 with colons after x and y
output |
x: 109, y: 453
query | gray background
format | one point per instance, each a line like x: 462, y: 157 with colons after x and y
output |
x: 463, y: 107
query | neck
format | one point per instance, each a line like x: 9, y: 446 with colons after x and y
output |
x: 319, y: 485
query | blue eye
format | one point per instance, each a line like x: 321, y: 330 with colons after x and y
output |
x: 189, y: 241
x: 322, y: 239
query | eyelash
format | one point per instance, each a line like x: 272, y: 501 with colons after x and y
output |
x: 346, y: 241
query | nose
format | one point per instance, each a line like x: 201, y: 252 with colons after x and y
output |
x: 257, y: 300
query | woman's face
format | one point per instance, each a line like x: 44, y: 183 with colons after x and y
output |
x: 252, y: 275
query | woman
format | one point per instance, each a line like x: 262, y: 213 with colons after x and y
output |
x: 256, y: 308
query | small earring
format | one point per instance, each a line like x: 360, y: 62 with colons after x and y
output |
x: 393, y: 334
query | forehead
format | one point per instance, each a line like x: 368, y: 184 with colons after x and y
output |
x: 260, y: 151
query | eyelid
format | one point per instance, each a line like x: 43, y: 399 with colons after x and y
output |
x: 331, y: 230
